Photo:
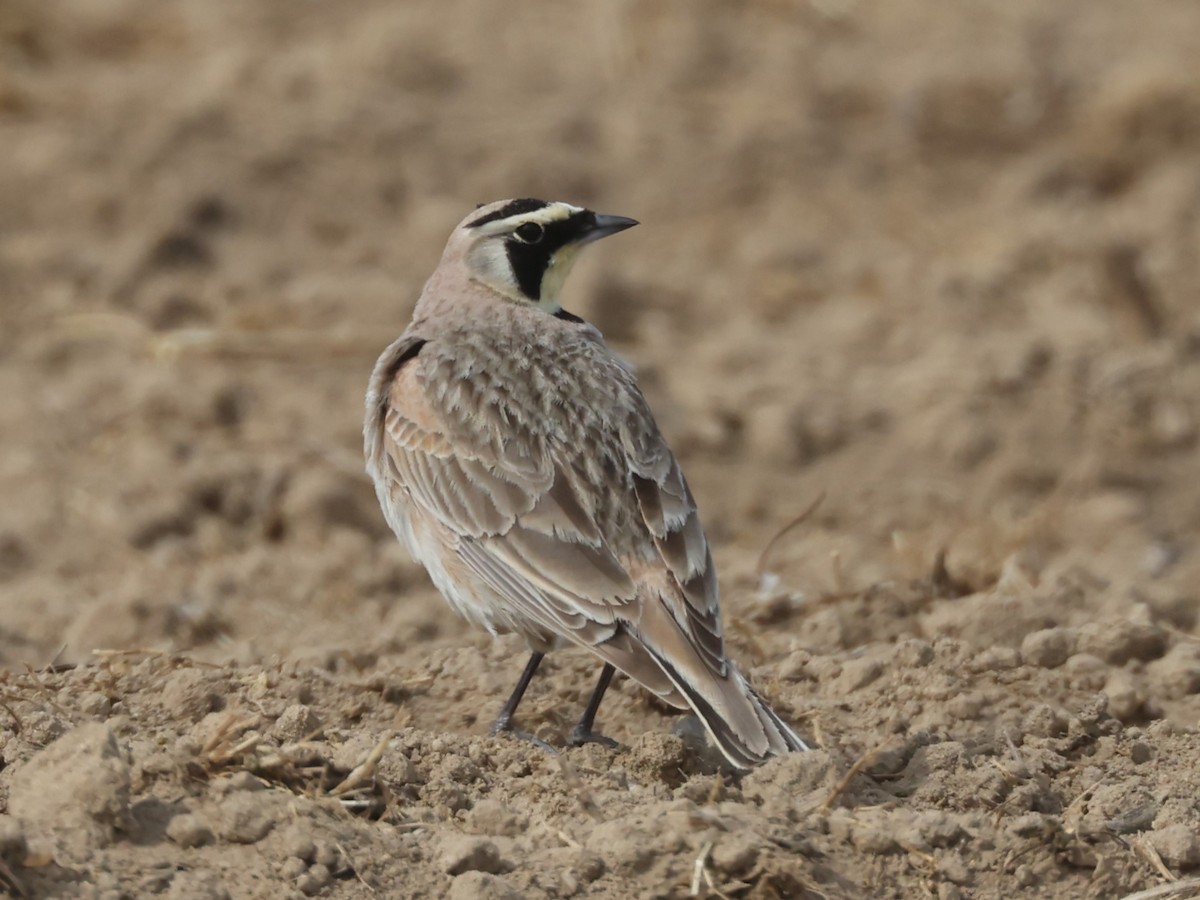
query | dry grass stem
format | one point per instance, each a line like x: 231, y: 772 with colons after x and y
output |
x: 1146, y: 850
x: 353, y: 868
x: 364, y: 771
x: 1178, y: 890
x: 698, y: 868
x: 859, y: 764
x: 763, y: 574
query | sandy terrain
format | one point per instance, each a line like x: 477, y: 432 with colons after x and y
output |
x: 935, y: 264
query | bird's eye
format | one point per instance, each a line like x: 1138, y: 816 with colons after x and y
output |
x: 530, y: 233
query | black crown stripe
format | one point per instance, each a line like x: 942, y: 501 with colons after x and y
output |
x: 512, y: 208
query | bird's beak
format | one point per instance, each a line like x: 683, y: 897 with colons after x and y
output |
x: 606, y: 225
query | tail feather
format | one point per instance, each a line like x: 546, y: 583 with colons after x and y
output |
x: 661, y: 657
x: 793, y: 741
x: 748, y: 731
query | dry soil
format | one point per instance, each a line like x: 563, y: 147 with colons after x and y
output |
x: 934, y: 265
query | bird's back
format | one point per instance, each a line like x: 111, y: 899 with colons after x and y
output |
x: 536, y: 397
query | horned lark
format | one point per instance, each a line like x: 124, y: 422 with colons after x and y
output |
x: 517, y: 460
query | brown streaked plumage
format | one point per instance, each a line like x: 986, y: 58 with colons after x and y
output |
x: 516, y: 458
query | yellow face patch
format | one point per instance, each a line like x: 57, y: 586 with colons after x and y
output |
x: 556, y: 275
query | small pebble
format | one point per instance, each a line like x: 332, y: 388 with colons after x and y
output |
x: 857, y: 674
x: 967, y: 705
x: 489, y: 816
x: 934, y: 828
x: 245, y: 819
x: 874, y: 839
x: 240, y: 781
x: 320, y: 874
x: 326, y: 855
x: 1125, y: 695
x: 1044, y: 720
x: 481, y: 886
x: 1048, y: 648
x: 996, y: 659
x: 1178, y: 846
x: 297, y: 723
x: 589, y: 866
x: 736, y: 853
x: 1119, y: 641
x: 308, y: 885
x: 95, y: 705
x: 188, y: 830
x: 462, y: 853
x: 293, y: 867
x: 298, y: 844
x: 1087, y: 672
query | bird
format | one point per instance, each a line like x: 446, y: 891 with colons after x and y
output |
x: 516, y: 458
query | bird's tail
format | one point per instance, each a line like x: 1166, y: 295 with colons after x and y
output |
x: 745, y: 729
x: 661, y: 658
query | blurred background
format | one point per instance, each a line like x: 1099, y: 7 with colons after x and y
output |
x: 935, y: 263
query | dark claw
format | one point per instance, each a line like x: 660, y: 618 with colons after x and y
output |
x: 581, y: 736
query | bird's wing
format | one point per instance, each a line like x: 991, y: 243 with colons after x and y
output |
x: 512, y: 513
x: 563, y: 540
x: 669, y: 512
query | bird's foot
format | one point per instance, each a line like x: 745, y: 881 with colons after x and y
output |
x: 504, y: 726
x: 580, y: 736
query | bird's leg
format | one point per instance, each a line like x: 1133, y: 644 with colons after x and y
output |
x: 503, y: 721
x: 584, y: 732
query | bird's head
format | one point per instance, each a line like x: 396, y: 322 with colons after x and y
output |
x: 523, y: 249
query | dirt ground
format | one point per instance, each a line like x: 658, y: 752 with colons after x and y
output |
x: 936, y: 265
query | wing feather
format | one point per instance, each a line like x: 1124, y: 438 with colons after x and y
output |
x: 526, y: 536
x: 561, y: 504
x: 671, y: 516
x: 528, y: 517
